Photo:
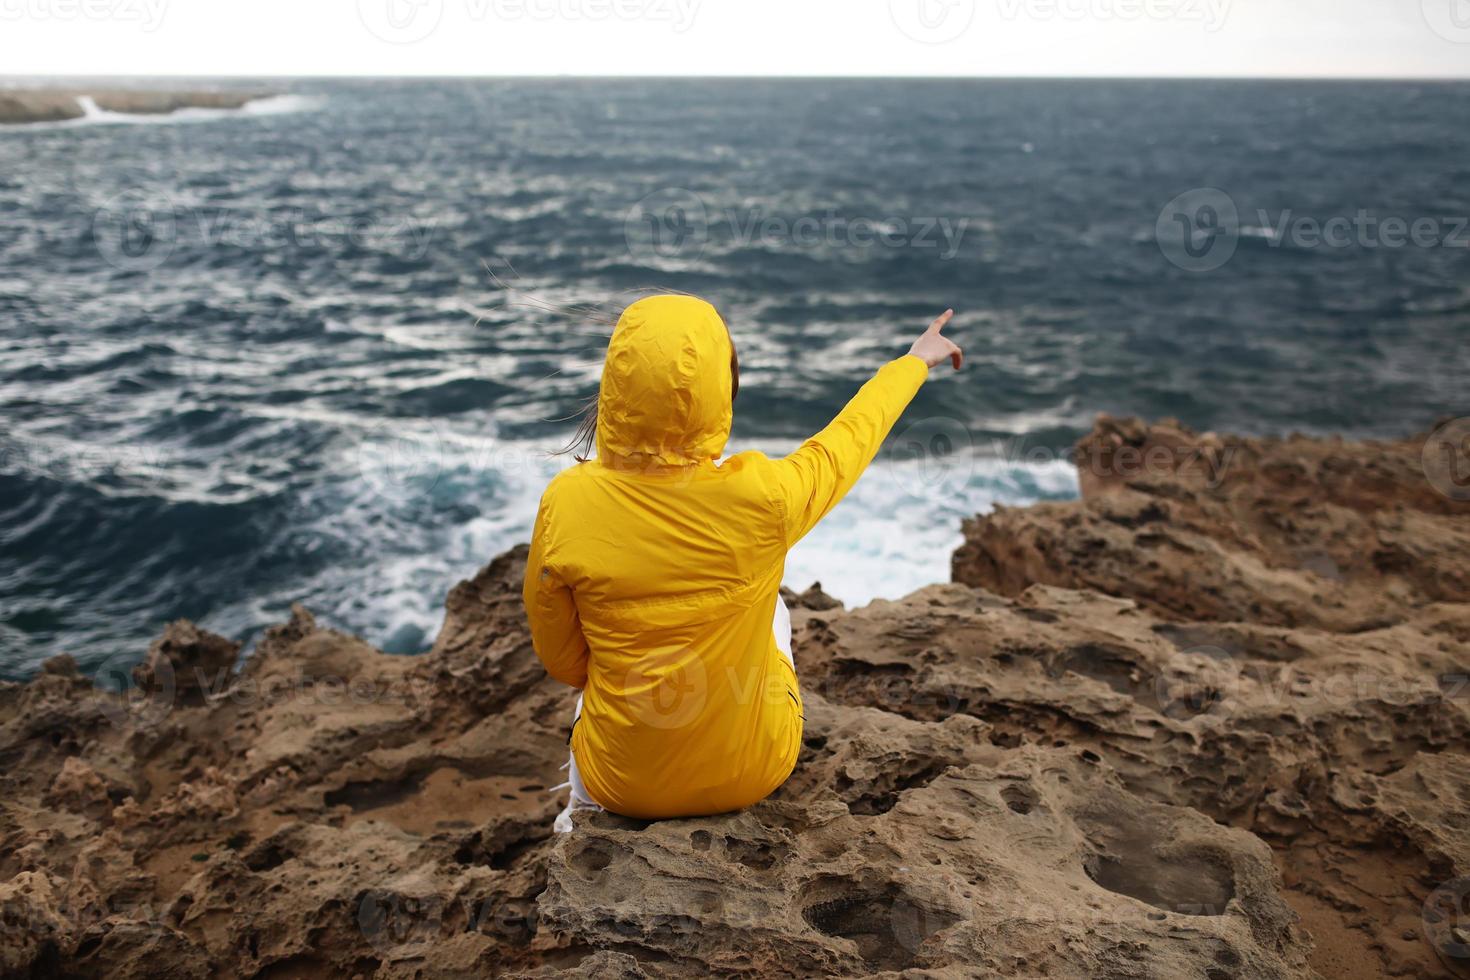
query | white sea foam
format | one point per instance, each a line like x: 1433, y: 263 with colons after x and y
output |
x: 280, y: 105
x: 893, y: 534
x: 1257, y: 231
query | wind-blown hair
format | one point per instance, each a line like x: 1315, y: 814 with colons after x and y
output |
x: 584, y: 438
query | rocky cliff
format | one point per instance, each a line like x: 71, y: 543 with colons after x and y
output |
x: 1210, y: 721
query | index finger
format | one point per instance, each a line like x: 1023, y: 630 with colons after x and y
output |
x: 941, y: 320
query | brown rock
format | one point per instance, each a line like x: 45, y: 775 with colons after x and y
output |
x: 78, y: 787
x: 187, y: 661
x: 29, y: 107
x: 1341, y: 536
x: 61, y: 665
x: 812, y: 598
x: 1203, y: 773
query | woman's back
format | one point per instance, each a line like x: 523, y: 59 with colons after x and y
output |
x: 674, y: 582
x: 654, y: 572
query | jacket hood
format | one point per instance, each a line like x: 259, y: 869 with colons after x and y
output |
x: 665, y: 393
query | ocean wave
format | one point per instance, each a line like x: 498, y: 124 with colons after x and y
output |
x: 896, y: 530
x: 409, y: 511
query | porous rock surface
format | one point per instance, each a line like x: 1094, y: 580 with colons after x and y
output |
x: 1027, y: 775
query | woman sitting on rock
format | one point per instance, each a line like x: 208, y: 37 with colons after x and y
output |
x: 653, y: 582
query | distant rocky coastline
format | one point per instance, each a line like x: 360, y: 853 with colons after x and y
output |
x: 58, y: 105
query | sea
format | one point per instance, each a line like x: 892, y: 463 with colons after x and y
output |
x: 323, y: 348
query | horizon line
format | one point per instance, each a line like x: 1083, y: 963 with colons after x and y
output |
x: 6, y: 76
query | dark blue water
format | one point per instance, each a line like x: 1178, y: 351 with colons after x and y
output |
x: 312, y: 354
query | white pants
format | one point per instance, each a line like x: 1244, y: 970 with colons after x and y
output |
x: 581, y: 799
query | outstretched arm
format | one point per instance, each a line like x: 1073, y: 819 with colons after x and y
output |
x: 819, y: 474
x: 556, y: 632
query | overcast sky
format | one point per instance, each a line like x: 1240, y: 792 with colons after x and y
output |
x: 1314, y: 38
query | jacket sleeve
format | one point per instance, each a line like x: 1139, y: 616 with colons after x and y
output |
x: 812, y: 480
x: 556, y: 632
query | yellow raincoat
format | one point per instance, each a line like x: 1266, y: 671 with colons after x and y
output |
x: 654, y: 569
